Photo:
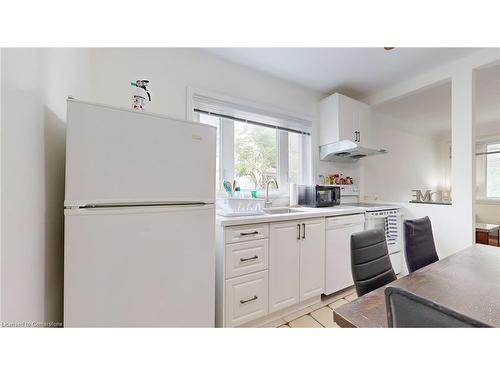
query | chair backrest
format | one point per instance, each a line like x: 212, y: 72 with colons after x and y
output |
x: 370, y: 263
x: 419, y: 243
x: 407, y: 310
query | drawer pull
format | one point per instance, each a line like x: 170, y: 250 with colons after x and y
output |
x: 249, y: 233
x: 243, y: 301
x: 247, y: 259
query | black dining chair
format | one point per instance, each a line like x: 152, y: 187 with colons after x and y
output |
x: 370, y: 263
x: 407, y: 310
x: 419, y: 243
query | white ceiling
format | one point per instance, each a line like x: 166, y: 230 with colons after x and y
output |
x: 357, y: 72
x: 428, y: 112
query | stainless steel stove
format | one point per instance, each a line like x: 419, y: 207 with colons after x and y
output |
x: 376, y: 217
x: 373, y: 207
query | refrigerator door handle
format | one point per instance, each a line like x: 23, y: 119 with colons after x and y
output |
x: 142, y: 204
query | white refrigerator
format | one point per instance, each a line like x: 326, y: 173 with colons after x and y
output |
x: 139, y: 219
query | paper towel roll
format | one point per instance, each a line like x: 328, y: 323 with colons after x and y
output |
x: 294, y: 200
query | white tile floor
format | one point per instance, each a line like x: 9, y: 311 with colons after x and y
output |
x: 338, y: 303
x: 306, y: 321
x: 324, y: 316
x: 321, y: 315
x: 351, y: 297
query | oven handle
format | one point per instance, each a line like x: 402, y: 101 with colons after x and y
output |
x: 371, y: 215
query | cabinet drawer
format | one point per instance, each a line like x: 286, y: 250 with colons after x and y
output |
x: 246, y: 298
x: 246, y: 233
x: 246, y: 257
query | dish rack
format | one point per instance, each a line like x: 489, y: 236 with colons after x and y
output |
x: 240, y: 206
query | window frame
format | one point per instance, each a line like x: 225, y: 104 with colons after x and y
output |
x: 226, y: 143
x: 481, y: 173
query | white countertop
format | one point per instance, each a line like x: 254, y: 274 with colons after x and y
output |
x: 484, y: 227
x: 305, y: 213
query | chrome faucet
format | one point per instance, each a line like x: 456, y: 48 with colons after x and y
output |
x: 268, y: 202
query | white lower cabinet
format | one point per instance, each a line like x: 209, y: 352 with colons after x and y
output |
x: 312, y: 259
x: 296, y: 262
x: 246, y: 257
x: 338, y: 250
x: 267, y: 268
x: 284, y: 264
x: 244, y: 233
x: 246, y: 298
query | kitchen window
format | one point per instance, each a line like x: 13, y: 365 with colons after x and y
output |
x: 255, y: 145
x: 488, y: 170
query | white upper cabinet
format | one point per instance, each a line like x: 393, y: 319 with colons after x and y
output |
x: 343, y: 118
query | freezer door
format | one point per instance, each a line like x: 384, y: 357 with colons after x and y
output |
x: 115, y: 155
x: 139, y: 267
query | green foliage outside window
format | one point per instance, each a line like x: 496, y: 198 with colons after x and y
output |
x: 255, y: 155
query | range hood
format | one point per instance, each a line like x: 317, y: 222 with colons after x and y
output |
x: 346, y: 151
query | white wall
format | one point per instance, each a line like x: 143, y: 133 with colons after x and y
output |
x: 172, y: 70
x: 457, y: 220
x: 35, y: 84
x: 347, y: 169
x: 489, y: 130
x: 1, y: 140
x: 412, y: 162
x: 488, y: 212
x: 444, y: 225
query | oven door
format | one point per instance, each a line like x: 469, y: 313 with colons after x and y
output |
x: 376, y: 220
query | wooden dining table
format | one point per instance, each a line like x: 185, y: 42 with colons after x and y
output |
x: 467, y: 282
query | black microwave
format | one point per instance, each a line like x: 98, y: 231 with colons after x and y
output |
x: 319, y: 195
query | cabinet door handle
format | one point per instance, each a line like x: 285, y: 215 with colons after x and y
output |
x: 247, y: 259
x: 298, y: 231
x: 303, y: 231
x: 249, y: 233
x: 359, y: 136
x: 243, y: 301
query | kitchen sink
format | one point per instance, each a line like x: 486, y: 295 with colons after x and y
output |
x: 280, y: 211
